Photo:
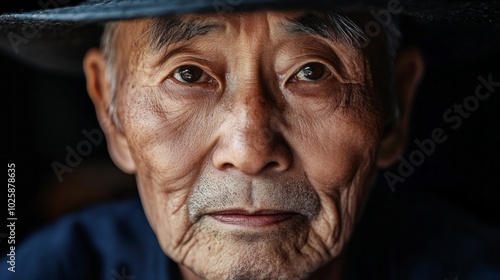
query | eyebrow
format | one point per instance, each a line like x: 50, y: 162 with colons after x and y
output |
x: 170, y: 30
x: 329, y: 25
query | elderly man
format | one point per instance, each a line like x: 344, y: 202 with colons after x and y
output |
x: 254, y: 137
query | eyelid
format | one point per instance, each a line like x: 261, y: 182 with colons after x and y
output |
x: 203, y: 74
x: 185, y: 55
x: 212, y: 88
x: 189, y: 62
x: 327, y: 66
x: 172, y: 53
x: 327, y: 73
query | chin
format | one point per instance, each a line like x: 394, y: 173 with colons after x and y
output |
x: 286, y: 250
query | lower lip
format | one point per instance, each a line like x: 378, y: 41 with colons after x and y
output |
x: 252, y: 220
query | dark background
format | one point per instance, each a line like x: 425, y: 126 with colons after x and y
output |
x: 44, y: 112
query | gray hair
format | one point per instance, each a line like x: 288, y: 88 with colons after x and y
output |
x: 108, y: 47
x: 350, y: 32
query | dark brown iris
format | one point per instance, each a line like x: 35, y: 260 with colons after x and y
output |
x: 190, y: 74
x: 313, y: 71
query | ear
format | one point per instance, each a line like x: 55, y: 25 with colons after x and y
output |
x: 99, y: 89
x: 409, y: 69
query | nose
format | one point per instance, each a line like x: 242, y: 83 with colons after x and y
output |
x: 247, y: 142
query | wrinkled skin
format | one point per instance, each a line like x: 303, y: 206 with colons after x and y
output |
x: 252, y: 133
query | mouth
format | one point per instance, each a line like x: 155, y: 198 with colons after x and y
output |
x: 262, y: 218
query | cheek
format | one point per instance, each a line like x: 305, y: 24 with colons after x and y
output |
x: 332, y: 148
x: 338, y: 161
x: 169, y: 142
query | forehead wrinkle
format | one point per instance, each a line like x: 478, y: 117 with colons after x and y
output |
x: 333, y: 26
x: 164, y: 31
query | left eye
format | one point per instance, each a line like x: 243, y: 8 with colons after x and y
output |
x: 191, y: 74
x: 311, y: 72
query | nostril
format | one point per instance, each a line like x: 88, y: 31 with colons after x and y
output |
x: 227, y: 165
x: 272, y: 165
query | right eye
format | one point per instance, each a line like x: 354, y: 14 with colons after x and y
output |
x: 191, y: 74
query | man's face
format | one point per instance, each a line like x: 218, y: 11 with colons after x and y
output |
x: 254, y: 142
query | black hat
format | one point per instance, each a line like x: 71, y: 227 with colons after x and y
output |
x: 58, y: 34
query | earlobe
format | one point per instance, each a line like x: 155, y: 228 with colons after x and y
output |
x: 99, y: 89
x: 409, y: 69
